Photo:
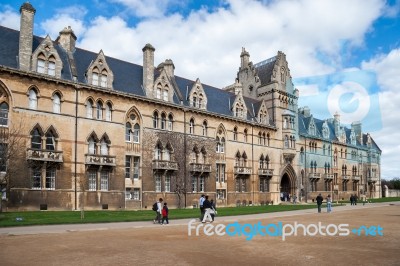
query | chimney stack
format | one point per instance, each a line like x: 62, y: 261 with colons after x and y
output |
x: 67, y: 39
x: 148, y: 68
x: 26, y: 36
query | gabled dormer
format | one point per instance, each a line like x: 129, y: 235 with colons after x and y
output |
x: 99, y: 73
x: 353, y: 138
x: 325, y: 130
x: 262, y: 115
x: 162, y: 89
x: 239, y: 108
x: 312, y: 128
x: 45, y: 59
x: 197, y: 96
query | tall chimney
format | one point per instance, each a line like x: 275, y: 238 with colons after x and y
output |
x: 26, y: 36
x: 148, y: 68
x: 67, y: 39
x: 169, y: 67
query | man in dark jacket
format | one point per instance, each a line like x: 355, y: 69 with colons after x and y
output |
x: 319, y: 199
x: 207, y: 207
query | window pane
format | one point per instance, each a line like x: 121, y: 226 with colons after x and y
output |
x: 167, y: 183
x: 32, y: 99
x: 50, y: 142
x: 136, y: 164
x: 128, y: 130
x: 51, y: 69
x: 36, y: 140
x: 136, y: 133
x: 104, y: 177
x: 103, y: 81
x: 158, y: 183
x: 56, y: 104
x: 95, y: 79
x: 40, y: 66
x: 92, y: 180
x: 51, y: 178
x: 36, y: 179
x: 104, y: 147
x: 127, y: 166
x: 3, y: 114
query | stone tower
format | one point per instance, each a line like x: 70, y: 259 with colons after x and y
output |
x: 148, y: 69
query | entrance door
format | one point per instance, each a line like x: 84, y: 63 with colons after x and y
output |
x: 285, y: 187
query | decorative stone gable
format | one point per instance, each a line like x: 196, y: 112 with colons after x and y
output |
x: 46, y: 60
x: 163, y: 88
x: 99, y: 73
x: 263, y: 116
x: 239, y: 108
x: 247, y: 76
x: 312, y: 128
x: 197, y: 97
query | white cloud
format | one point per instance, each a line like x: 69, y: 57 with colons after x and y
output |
x: 9, y: 18
x: 148, y: 8
x: 386, y: 67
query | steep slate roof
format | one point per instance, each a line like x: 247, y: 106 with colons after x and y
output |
x: 303, y: 123
x: 128, y: 77
x: 264, y: 70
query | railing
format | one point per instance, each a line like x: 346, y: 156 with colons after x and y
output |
x: 314, y: 175
x: 372, y: 178
x: 242, y: 170
x: 132, y: 147
x: 328, y: 176
x: 96, y: 159
x: 220, y: 157
x: 267, y: 172
x: 200, y: 167
x: 356, y: 177
x: 165, y: 165
x: 345, y: 177
x: 45, y: 155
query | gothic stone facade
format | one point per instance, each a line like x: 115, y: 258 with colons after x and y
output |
x: 81, y: 129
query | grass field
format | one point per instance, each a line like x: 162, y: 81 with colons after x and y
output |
x: 105, y: 216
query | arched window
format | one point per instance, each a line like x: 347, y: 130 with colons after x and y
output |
x: 32, y: 99
x: 155, y: 119
x: 41, y: 64
x: 128, y: 132
x: 103, y: 147
x: 51, y: 68
x: 108, y: 112
x: 136, y: 133
x: 191, y: 126
x: 56, y: 103
x: 103, y: 79
x: 92, y: 146
x: 205, y: 128
x: 222, y: 149
x: 95, y: 77
x: 158, y: 91
x: 89, y: 108
x: 157, y: 152
x: 36, y: 139
x: 50, y: 141
x: 170, y: 122
x: 163, y: 121
x: 165, y: 94
x: 99, y: 110
x: 245, y: 135
x: 3, y: 114
x: 235, y: 133
x: 286, y: 142
x: 167, y: 155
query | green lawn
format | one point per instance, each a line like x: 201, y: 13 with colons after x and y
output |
x: 106, y: 216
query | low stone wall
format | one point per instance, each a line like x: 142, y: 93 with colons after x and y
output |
x: 388, y: 193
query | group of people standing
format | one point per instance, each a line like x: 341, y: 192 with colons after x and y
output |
x: 207, y: 209
x: 161, y: 210
x: 320, y: 199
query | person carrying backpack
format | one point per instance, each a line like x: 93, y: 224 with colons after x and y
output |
x: 157, y: 208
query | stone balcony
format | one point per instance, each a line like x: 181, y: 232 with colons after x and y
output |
x: 345, y: 177
x: 314, y: 176
x: 45, y: 155
x: 356, y: 177
x: 165, y: 165
x: 242, y: 170
x: 101, y: 160
x: 265, y: 172
x: 372, y: 179
x: 200, y: 167
x: 328, y: 176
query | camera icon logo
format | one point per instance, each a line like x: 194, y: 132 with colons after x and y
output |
x: 354, y: 95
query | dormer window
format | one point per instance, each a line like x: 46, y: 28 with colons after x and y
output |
x: 165, y: 94
x: 41, y: 65
x: 99, y: 79
x: 197, y: 97
x: 103, y: 79
x: 51, y: 70
x: 99, y: 73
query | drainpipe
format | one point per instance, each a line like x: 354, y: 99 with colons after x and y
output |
x: 252, y: 159
x: 76, y: 147
x: 185, y: 152
x: 305, y: 168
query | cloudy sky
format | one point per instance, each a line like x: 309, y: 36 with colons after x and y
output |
x: 344, y: 56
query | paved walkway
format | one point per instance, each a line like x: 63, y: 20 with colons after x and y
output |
x: 63, y: 228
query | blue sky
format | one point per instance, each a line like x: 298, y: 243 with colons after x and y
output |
x: 344, y: 56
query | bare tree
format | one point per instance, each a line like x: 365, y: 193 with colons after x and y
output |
x: 12, y: 156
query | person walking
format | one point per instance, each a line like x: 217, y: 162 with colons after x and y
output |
x: 319, y: 200
x: 329, y: 204
x: 213, y: 211
x: 157, y: 219
x: 352, y: 199
x: 201, y: 203
x: 165, y: 214
x: 207, y: 210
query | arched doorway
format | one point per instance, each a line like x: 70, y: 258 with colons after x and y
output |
x: 288, y: 183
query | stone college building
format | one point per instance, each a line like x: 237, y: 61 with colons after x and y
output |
x: 81, y: 129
